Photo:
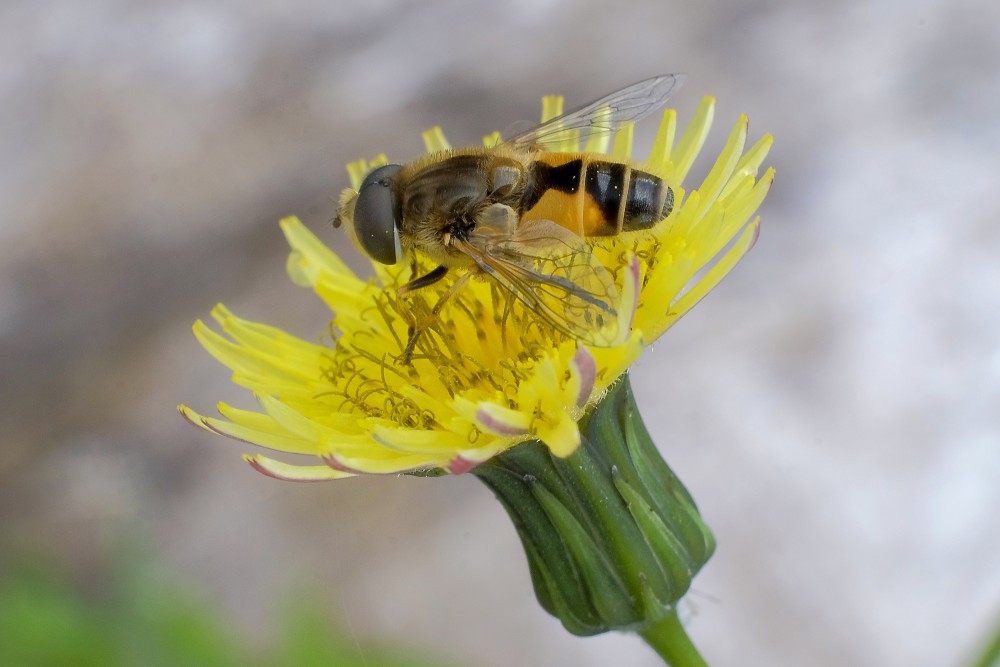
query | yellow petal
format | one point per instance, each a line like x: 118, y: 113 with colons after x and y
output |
x: 560, y: 433
x: 435, y: 141
x: 417, y: 441
x: 723, y: 168
x: 312, y: 256
x: 492, y: 139
x: 693, y: 138
x: 552, y: 106
x: 711, y: 278
x: 271, y: 439
x: 622, y: 146
x: 659, y: 154
x: 379, y: 464
x: 751, y: 160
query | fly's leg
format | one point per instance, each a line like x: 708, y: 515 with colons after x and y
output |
x: 418, y: 329
x: 417, y: 283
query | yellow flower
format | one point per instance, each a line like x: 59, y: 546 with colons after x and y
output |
x: 488, y: 374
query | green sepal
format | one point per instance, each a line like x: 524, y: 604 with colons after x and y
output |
x: 555, y: 576
x: 677, y: 507
x: 608, y: 595
x: 668, y: 548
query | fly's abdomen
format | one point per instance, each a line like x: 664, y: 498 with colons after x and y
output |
x: 594, y: 197
x: 628, y: 199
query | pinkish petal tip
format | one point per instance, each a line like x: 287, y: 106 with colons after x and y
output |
x: 634, y: 267
x: 340, y: 467
x: 586, y: 366
x: 255, y: 463
x: 460, y: 466
x: 271, y: 468
x: 185, y: 412
x: 497, y: 427
x: 205, y: 423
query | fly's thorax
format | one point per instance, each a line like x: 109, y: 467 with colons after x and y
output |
x: 449, y: 194
x: 592, y: 195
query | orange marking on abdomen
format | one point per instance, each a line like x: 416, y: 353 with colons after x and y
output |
x: 594, y: 197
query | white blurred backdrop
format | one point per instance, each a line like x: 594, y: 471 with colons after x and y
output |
x: 834, y: 406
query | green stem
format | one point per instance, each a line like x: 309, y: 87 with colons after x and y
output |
x: 671, y: 643
x: 990, y: 655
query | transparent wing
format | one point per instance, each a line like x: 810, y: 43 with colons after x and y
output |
x: 553, y: 272
x: 605, y: 115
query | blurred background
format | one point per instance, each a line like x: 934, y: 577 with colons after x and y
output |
x: 834, y: 406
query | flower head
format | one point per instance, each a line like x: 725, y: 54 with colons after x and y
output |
x: 487, y: 373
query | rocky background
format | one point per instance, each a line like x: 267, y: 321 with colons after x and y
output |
x: 834, y: 406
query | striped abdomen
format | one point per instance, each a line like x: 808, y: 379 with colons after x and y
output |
x: 594, y: 197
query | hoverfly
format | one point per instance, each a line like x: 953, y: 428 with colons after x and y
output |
x: 519, y: 213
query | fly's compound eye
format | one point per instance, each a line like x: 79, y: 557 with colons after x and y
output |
x: 376, y: 216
